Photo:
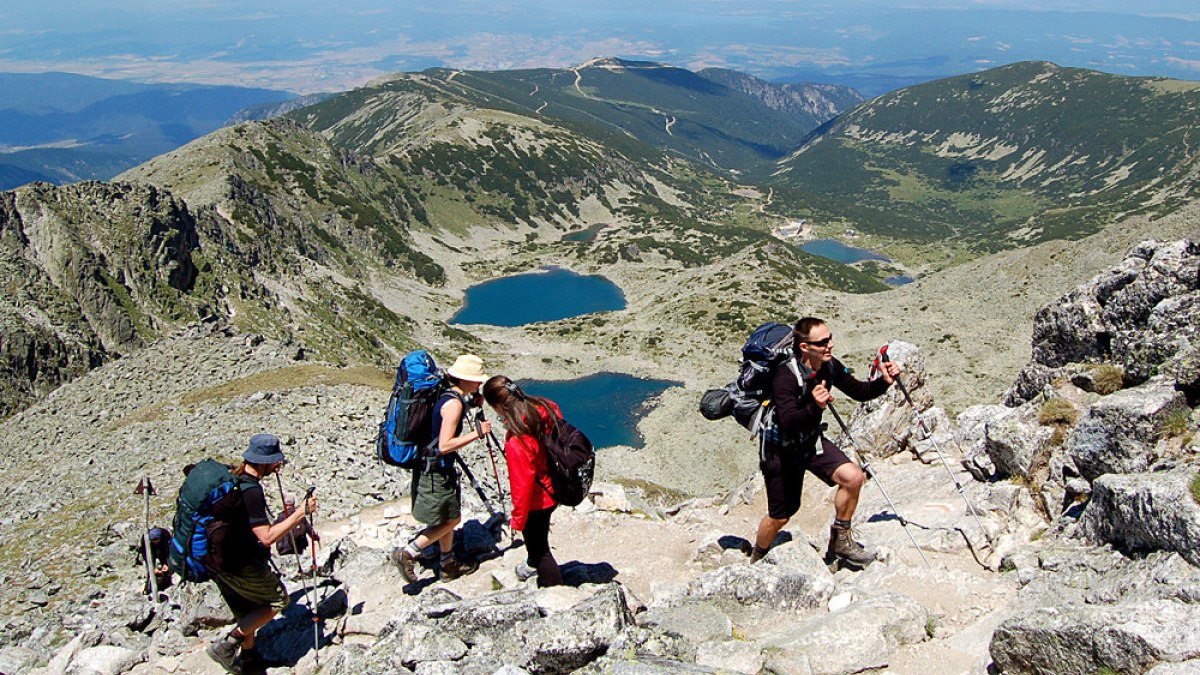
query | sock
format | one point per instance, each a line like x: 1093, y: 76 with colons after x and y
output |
x: 447, y: 557
x: 412, y: 549
x: 841, y: 524
x: 760, y: 552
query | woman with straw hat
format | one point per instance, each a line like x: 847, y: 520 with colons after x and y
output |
x: 436, y: 492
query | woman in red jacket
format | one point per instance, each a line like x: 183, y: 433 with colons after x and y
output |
x: 527, y: 419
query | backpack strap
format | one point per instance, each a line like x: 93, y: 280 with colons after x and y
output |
x: 432, y: 458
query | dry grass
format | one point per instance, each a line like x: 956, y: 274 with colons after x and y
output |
x: 283, y: 379
x: 1058, y: 411
x: 1107, y: 378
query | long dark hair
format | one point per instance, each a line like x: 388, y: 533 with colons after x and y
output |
x: 522, y: 412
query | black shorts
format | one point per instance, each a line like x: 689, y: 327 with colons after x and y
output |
x: 783, y: 472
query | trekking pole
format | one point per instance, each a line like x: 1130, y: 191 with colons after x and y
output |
x: 312, y: 542
x: 866, y: 468
x: 147, y: 488
x: 490, y: 442
x: 475, y: 484
x: 312, y: 605
x: 929, y: 434
x: 291, y: 533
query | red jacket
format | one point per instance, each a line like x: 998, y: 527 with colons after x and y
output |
x: 527, y: 477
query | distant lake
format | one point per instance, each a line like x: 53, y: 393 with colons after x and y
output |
x: 898, y: 280
x: 605, y: 406
x: 586, y: 234
x: 837, y: 251
x: 538, y: 296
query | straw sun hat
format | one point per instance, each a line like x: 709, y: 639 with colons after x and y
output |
x: 468, y: 367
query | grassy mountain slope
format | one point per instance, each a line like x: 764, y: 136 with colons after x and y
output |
x: 1002, y: 158
x: 724, y: 119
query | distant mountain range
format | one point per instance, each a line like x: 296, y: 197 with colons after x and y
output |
x: 60, y: 127
x: 999, y: 159
x: 349, y: 227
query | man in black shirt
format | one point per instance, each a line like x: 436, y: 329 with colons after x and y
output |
x: 800, y: 395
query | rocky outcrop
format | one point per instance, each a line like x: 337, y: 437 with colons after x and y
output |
x: 97, y: 269
x: 1139, y: 316
x: 1083, y: 640
x: 1145, y: 511
x: 1120, y: 432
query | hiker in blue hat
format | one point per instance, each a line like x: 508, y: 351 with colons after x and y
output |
x: 253, y: 591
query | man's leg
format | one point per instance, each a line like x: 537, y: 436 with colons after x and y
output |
x: 768, y: 529
x: 833, y: 467
x: 849, y: 479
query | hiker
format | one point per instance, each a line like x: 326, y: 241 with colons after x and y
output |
x: 436, y: 492
x: 253, y: 591
x: 299, y: 534
x: 798, y: 410
x: 160, y: 551
x: 527, y: 419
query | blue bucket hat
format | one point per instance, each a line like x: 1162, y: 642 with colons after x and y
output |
x: 264, y: 449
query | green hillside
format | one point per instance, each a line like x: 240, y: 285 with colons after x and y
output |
x: 1002, y: 158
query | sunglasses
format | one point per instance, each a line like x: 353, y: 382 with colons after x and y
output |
x: 823, y: 342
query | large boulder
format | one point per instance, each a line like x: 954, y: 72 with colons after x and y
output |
x: 886, y: 424
x: 1137, y: 316
x: 1154, y: 511
x: 1083, y: 639
x: 1119, y: 432
x: 875, y: 626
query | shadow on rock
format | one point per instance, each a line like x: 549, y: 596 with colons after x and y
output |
x: 577, y: 573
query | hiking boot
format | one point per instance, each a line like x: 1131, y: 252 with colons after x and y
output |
x: 453, y: 569
x: 406, y: 564
x: 843, y: 546
x: 225, y: 652
x: 524, y: 572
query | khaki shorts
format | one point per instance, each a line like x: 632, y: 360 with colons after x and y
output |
x: 436, y: 496
x: 254, y: 587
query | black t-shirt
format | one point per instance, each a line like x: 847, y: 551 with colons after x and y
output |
x: 797, y: 412
x: 242, y: 547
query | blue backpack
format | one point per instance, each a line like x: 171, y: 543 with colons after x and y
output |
x: 197, y: 550
x: 406, y: 430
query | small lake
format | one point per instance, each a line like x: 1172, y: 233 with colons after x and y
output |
x: 898, y: 280
x: 606, y: 406
x: 587, y: 234
x: 538, y: 296
x: 839, y: 252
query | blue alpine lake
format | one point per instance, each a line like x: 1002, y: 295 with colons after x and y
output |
x: 898, y: 280
x: 839, y: 252
x: 538, y: 296
x: 606, y: 406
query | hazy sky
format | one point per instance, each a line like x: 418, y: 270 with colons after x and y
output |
x: 304, y: 45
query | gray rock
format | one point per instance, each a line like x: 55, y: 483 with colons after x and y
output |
x: 1083, y: 640
x: 1119, y: 432
x: 16, y: 659
x: 1191, y: 667
x: 697, y: 622
x: 1136, y: 316
x: 1145, y: 511
x: 420, y: 643
x: 762, y: 585
x: 103, y: 660
x: 738, y: 656
x: 573, y: 638
x: 878, y: 625
x: 1012, y: 443
x: 356, y: 659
